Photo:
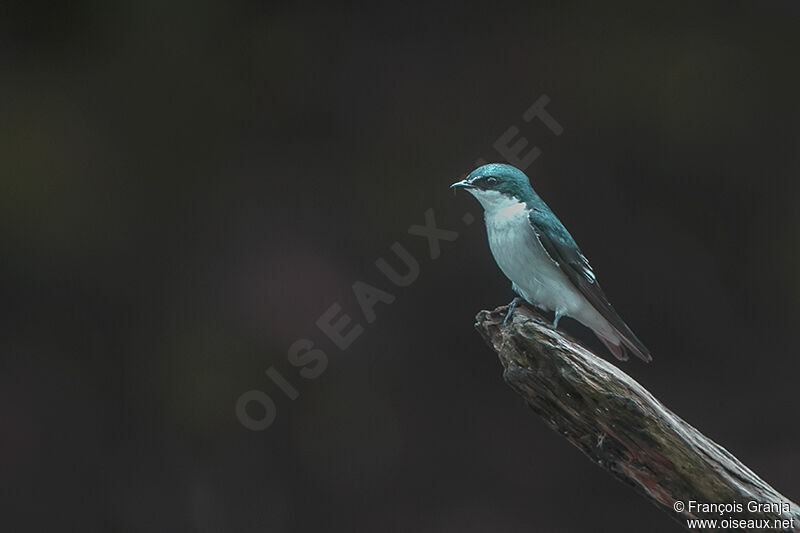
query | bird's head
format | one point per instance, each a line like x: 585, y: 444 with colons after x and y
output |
x: 497, y: 185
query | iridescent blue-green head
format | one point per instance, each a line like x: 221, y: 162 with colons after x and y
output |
x: 497, y: 185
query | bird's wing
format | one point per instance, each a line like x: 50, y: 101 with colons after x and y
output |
x: 563, y: 250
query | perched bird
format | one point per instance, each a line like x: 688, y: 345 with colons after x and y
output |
x: 536, y: 252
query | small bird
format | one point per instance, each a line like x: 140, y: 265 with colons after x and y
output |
x: 536, y: 252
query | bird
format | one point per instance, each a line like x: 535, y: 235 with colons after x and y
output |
x: 541, y: 259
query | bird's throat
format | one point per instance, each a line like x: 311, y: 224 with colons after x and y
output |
x: 498, y: 204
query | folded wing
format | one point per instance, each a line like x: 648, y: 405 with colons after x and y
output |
x: 563, y: 250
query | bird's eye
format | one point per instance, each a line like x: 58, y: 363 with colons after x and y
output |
x: 491, y: 181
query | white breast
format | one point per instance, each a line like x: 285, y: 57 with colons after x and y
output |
x: 523, y: 259
x: 533, y: 274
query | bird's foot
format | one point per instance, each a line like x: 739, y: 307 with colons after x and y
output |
x: 558, y: 316
x: 511, y: 306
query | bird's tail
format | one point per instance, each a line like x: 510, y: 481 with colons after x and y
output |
x: 625, y: 343
x: 617, y: 349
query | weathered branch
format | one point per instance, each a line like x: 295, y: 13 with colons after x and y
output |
x: 621, y: 427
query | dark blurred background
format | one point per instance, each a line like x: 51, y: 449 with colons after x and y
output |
x: 188, y: 186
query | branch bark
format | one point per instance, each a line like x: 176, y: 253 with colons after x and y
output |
x: 622, y: 428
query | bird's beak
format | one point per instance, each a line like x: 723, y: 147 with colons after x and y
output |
x: 463, y: 184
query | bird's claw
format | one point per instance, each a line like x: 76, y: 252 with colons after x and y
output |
x: 513, y: 305
x: 558, y: 316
